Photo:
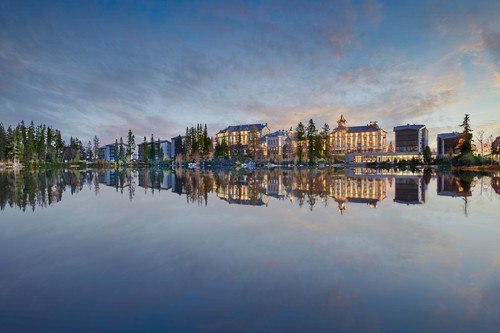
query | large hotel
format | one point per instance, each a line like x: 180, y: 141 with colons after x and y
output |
x: 360, y: 139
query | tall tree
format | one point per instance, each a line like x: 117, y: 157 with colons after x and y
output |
x: 301, y: 136
x: 17, y: 146
x: 96, y: 147
x: 427, y: 155
x: 145, y: 151
x: 325, y: 131
x: 467, y: 134
x: 88, y: 151
x: 160, y: 150
x: 121, y: 150
x: 311, y: 129
x: 130, y: 144
x: 117, y: 151
x: 3, y: 142
x: 152, y: 152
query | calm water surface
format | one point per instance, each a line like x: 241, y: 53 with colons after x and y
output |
x: 267, y: 251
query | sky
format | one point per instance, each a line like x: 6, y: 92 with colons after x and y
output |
x: 104, y: 67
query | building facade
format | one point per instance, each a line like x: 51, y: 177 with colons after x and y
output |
x: 449, y: 143
x: 349, y: 139
x: 411, y: 138
x: 164, y: 145
x: 107, y: 153
x: 244, y: 140
x: 275, y: 144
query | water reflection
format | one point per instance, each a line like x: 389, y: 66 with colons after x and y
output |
x: 257, y: 188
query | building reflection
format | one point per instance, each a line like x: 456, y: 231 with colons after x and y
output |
x: 366, y: 190
x: 452, y: 186
x: 303, y: 187
x: 495, y: 182
x: 410, y: 190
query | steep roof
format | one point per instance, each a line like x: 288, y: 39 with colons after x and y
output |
x: 246, y: 127
x: 358, y: 129
x: 278, y: 133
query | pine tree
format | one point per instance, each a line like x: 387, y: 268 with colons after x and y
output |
x: 145, y: 151
x: 325, y: 141
x: 311, y: 129
x: 131, y: 144
x: 3, y: 142
x: 152, y: 152
x: 121, y: 151
x: 301, y: 132
x: 16, y: 145
x: 466, y: 146
x: 96, y: 147
x: 160, y: 150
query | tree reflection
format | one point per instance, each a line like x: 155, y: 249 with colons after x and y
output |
x: 254, y: 188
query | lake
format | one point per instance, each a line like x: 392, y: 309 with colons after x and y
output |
x: 310, y: 250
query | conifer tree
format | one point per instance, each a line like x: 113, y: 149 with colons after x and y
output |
x: 130, y: 144
x: 145, y: 151
x: 300, y: 140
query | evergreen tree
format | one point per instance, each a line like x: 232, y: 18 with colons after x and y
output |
x: 96, y: 147
x: 466, y: 146
x: 29, y: 149
x: 145, y: 151
x: 152, y: 152
x: 117, y: 151
x: 311, y: 129
x: 3, y: 142
x: 206, y: 142
x: 8, y: 142
x: 16, y: 145
x: 121, y: 151
x: 59, y: 145
x: 160, y: 150
x: 301, y: 136
x: 427, y: 155
x: 325, y: 141
x: 130, y: 144
x: 88, y: 151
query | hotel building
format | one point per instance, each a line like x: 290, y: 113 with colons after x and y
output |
x: 360, y: 139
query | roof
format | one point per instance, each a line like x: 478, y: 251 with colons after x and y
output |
x: 279, y: 133
x: 452, y: 135
x: 246, y: 127
x: 359, y: 129
x: 408, y: 127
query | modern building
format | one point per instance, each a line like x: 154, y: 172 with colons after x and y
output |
x: 244, y: 140
x: 449, y: 143
x: 108, y: 153
x: 349, y: 139
x: 411, y: 138
x: 164, y: 145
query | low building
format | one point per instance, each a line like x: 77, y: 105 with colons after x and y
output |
x: 449, y: 143
x: 411, y: 138
x: 164, y: 145
x: 381, y: 157
x: 349, y: 139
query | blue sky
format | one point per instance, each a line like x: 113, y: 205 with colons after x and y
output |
x: 102, y: 67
